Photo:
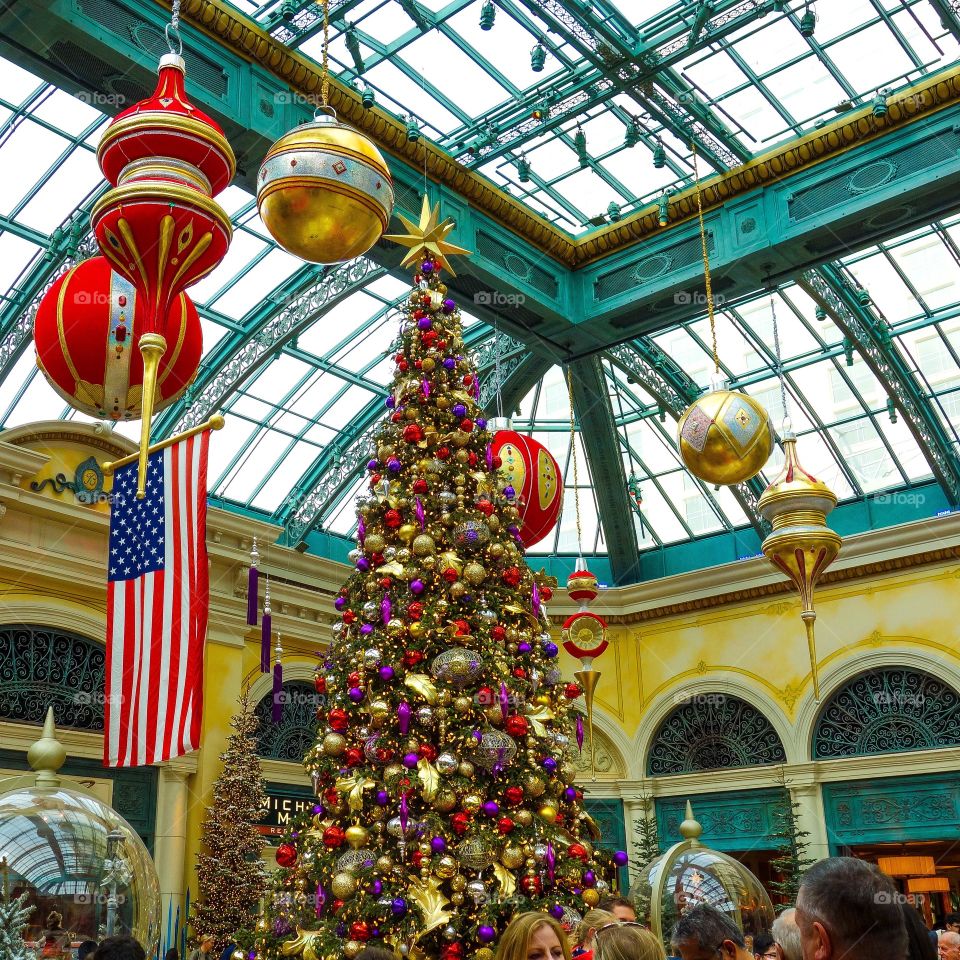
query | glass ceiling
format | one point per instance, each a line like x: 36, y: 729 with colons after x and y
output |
x: 738, y: 82
x: 304, y: 401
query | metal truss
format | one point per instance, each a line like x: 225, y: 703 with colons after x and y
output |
x: 949, y: 11
x: 221, y: 376
x: 872, y: 338
x: 660, y: 376
x: 601, y: 444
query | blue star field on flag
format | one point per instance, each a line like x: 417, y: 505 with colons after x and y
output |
x: 137, y: 526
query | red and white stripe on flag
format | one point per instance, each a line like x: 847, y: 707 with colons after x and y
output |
x: 157, y: 606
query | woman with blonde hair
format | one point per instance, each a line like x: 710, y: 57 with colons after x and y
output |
x: 533, y: 936
x: 626, y: 941
x: 592, y: 921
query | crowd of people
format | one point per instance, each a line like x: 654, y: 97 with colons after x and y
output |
x: 846, y: 910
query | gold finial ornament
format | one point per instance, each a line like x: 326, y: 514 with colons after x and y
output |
x: 801, y: 544
x: 47, y: 755
x: 427, y: 238
x: 690, y: 829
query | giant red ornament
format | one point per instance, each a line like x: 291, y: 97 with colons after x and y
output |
x: 85, y: 333
x: 286, y: 855
x: 529, y: 467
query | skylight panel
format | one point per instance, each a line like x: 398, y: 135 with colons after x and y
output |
x: 774, y: 44
x: 16, y: 253
x: 29, y: 139
x: 72, y: 114
x: 277, y: 378
x: 253, y: 408
x: 905, y: 447
x: 403, y: 95
x: 887, y: 289
x: 343, y: 518
x: 865, y: 455
x: 551, y: 159
x: 871, y: 58
x: 932, y: 270
x: 588, y: 192
x: 10, y: 385
x: 662, y: 519
x: 243, y: 249
x: 691, y: 504
x: 278, y: 485
x: 507, y: 43
x: 71, y: 182
x: 387, y: 23
x: 39, y: 402
x: 253, y: 286
x: 259, y: 457
x: 753, y: 112
x: 345, y: 409
x: 730, y: 508
x: 806, y: 90
x: 16, y: 84
x: 714, y: 74
x: 321, y: 390
x: 368, y: 346
x: 834, y: 19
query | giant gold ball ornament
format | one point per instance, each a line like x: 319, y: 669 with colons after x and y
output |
x: 344, y: 885
x: 352, y: 948
x: 725, y: 437
x: 324, y: 192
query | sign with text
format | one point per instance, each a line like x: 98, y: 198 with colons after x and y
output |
x: 284, y: 805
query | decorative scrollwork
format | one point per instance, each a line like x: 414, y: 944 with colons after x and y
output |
x: 42, y: 667
x: 292, y: 737
x: 888, y: 711
x: 713, y: 732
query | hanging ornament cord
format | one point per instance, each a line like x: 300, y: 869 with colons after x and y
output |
x: 325, y: 60
x: 576, y: 474
x: 496, y: 368
x: 787, y: 425
x: 172, y: 30
x: 706, y: 263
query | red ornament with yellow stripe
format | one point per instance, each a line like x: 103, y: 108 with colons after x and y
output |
x: 529, y: 469
x: 85, y: 333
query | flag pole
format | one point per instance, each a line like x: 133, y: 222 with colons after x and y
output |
x: 214, y: 423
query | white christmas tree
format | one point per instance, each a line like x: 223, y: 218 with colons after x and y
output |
x: 13, y: 919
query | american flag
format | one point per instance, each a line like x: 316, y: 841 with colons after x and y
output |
x: 157, y: 602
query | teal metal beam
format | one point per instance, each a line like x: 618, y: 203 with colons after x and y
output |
x: 872, y: 338
x: 591, y: 402
x: 949, y: 11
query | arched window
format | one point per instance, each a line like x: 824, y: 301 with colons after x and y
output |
x: 887, y: 711
x: 713, y: 731
x: 46, y: 666
x: 297, y: 730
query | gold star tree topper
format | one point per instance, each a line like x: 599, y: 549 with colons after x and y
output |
x: 426, y: 238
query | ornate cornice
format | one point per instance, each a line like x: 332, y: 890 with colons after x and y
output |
x: 240, y: 34
x: 875, y: 568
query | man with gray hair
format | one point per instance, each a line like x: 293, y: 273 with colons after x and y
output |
x: 848, y: 910
x: 948, y: 947
x: 704, y: 933
x: 786, y: 935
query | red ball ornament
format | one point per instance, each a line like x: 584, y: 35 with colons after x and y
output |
x: 460, y: 822
x: 384, y: 755
x: 348, y: 617
x: 571, y: 691
x: 451, y: 951
x: 511, y: 576
x: 420, y: 485
x: 428, y: 751
x: 86, y: 331
x: 531, y: 470
x: 286, y: 855
x: 331, y: 797
x: 353, y: 679
x: 416, y: 857
x: 546, y: 594
x: 415, y: 610
x: 514, y: 795
x: 443, y: 453
x: 462, y: 628
x: 519, y: 673
x: 504, y: 825
x: 392, y: 519
x: 411, y: 658
x: 337, y: 904
x: 578, y: 852
x: 353, y: 756
x: 531, y: 885
x: 319, y: 683
x: 360, y: 930
x: 338, y: 720
x: 485, y: 507
x: 451, y: 575
x: 333, y: 837
x: 466, y: 425
x: 516, y: 726
x: 402, y: 366
x: 498, y: 632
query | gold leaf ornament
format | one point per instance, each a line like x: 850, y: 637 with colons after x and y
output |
x: 421, y: 685
x: 303, y: 944
x: 538, y: 719
x: 506, y: 879
x: 429, y: 777
x: 431, y: 902
x: 354, y: 787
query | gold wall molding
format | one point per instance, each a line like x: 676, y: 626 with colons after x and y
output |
x: 241, y: 35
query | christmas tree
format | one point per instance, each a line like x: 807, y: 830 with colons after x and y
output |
x: 791, y: 861
x: 647, y: 845
x: 445, y: 793
x: 230, y: 875
x: 13, y: 919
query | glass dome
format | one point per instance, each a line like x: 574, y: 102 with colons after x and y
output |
x: 689, y: 874
x: 87, y: 872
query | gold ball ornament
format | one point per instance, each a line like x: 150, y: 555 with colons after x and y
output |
x: 444, y: 801
x: 471, y: 802
x: 343, y: 885
x: 725, y: 437
x: 466, y: 769
x: 534, y: 785
x: 416, y: 629
x: 379, y: 711
x: 591, y: 897
x: 484, y: 953
x: 334, y: 744
x: 458, y: 883
x: 523, y: 817
x: 384, y: 865
x: 374, y: 543
x: 357, y: 836
x: 475, y: 573
x: 352, y: 948
x: 424, y: 546
x: 511, y: 857
x: 324, y: 192
x: 445, y: 867
x: 407, y: 532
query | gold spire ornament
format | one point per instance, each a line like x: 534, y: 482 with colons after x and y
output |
x: 426, y: 238
x: 801, y: 544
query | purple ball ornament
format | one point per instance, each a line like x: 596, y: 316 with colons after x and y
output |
x: 549, y: 764
x: 486, y: 934
x: 399, y: 907
x: 438, y: 844
x: 317, y: 809
x: 390, y: 403
x: 394, y: 465
x: 589, y: 878
x: 383, y: 798
x: 355, y: 694
x: 550, y: 649
x: 366, y: 629
x: 372, y: 465
x: 424, y: 323
x: 387, y: 674
x: 556, y: 911
x: 340, y: 603
x: 417, y: 586
x: 449, y: 363
x: 481, y: 423
x: 524, y: 647
x: 376, y: 888
x: 341, y: 929
x: 426, y: 266
x: 363, y: 564
x: 459, y: 410
x: 491, y: 808
x: 410, y: 760
x: 569, y: 794
x: 509, y: 492
x: 620, y: 858
x: 449, y: 305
